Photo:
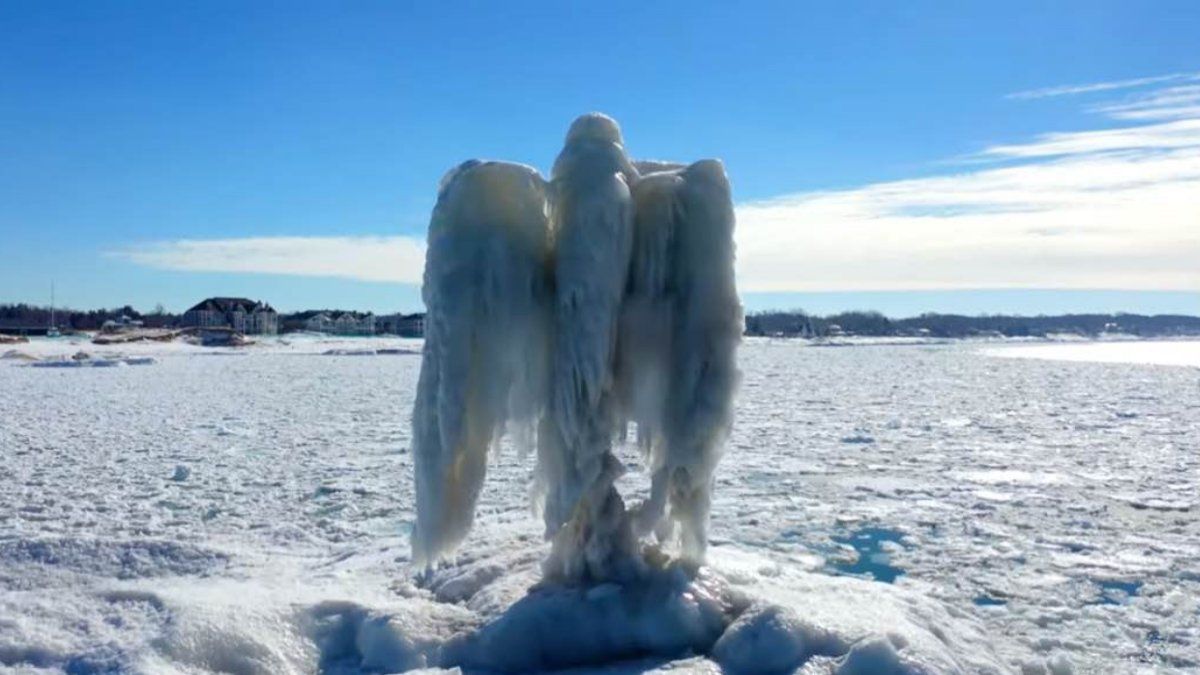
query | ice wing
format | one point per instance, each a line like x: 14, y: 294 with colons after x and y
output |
x: 708, y: 326
x: 680, y: 326
x: 487, y: 295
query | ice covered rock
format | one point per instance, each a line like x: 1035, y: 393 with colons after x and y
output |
x: 666, y: 614
x: 673, y: 618
x: 350, y: 636
x: 770, y: 639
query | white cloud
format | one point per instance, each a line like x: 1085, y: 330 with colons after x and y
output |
x: 1180, y: 102
x: 1070, y: 90
x: 1112, y: 208
x: 1103, y: 222
x: 1162, y: 136
x: 395, y: 259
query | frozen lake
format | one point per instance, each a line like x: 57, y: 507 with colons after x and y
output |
x: 1156, y: 352
x: 205, y: 512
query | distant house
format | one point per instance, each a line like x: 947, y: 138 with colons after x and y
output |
x: 123, y: 323
x: 337, y: 322
x: 241, y: 315
x: 405, y: 325
x: 318, y: 322
x: 353, y: 323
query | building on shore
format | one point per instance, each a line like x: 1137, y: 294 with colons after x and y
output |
x: 354, y: 323
x: 336, y: 322
x: 249, y: 317
x: 121, y: 324
x: 404, y: 325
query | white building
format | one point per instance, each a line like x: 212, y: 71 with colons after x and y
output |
x: 341, y: 323
x: 404, y: 325
x: 249, y: 317
x: 319, y: 323
x: 124, y: 323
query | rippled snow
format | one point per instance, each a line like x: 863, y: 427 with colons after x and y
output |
x: 1055, y: 501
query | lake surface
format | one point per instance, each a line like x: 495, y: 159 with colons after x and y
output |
x: 1053, y: 499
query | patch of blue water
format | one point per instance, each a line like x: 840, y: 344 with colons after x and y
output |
x: 1117, y: 592
x: 873, y: 560
x: 989, y: 601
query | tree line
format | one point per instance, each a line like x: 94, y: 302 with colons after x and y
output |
x: 22, y: 316
x: 798, y: 323
x: 25, y: 316
x: 793, y: 323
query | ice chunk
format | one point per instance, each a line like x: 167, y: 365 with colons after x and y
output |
x: 771, y: 639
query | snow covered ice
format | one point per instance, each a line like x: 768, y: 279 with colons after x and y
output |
x: 1026, y: 501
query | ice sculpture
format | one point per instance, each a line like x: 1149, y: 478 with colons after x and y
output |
x: 564, y: 311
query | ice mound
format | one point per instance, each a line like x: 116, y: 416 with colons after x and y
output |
x: 666, y: 614
x: 352, y: 638
x: 708, y: 620
x: 16, y: 355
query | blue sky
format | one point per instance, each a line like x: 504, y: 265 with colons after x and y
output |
x: 901, y: 156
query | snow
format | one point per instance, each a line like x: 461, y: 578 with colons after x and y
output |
x: 287, y: 547
x: 298, y: 344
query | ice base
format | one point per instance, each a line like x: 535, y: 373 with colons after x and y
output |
x: 740, y: 615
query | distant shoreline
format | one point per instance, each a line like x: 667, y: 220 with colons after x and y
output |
x: 22, y: 319
x: 946, y: 326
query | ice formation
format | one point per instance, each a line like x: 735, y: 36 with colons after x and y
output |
x: 486, y: 285
x: 572, y: 308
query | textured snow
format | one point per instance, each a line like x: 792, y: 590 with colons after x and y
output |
x: 287, y: 546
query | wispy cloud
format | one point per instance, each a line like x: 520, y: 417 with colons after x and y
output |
x: 1104, y: 208
x: 1072, y: 89
x: 1095, y: 223
x: 1114, y: 208
x: 394, y: 259
x: 1182, y: 102
x: 1145, y: 138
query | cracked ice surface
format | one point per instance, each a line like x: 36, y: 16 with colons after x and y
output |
x: 1050, y: 506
